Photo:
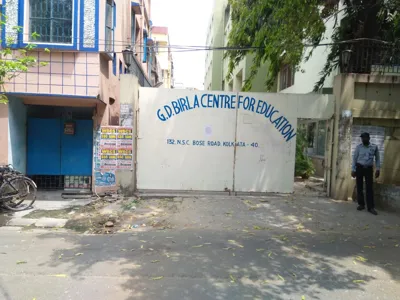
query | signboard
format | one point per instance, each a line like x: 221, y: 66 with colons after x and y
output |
x: 69, y: 128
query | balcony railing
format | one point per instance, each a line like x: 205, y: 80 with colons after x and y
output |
x: 367, y: 57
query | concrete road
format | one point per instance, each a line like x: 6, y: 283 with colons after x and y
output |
x: 314, y: 248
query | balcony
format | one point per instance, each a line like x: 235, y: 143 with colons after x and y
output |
x: 367, y: 57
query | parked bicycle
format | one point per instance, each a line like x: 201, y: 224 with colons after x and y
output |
x: 17, y: 192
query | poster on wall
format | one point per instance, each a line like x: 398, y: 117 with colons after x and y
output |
x: 126, y: 114
x: 116, y: 148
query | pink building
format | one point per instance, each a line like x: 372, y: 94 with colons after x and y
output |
x: 79, y: 86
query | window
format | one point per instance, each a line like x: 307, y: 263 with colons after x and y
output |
x: 110, y: 26
x: 145, y: 47
x: 286, y: 77
x: 52, y: 20
x: 114, y: 64
x: 121, y: 68
x: 133, y: 27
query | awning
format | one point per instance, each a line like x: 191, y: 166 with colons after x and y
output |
x: 136, y: 7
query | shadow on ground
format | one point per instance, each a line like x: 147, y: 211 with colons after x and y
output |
x: 246, y: 248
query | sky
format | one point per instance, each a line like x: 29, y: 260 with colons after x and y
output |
x: 187, y: 21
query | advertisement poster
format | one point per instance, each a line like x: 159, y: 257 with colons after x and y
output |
x: 116, y: 148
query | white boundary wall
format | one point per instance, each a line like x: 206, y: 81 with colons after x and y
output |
x: 219, y: 141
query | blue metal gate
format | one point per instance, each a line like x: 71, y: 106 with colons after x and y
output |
x: 51, y: 152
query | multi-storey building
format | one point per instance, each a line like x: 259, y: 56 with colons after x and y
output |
x: 163, y: 53
x: 82, y: 42
x: 216, y: 67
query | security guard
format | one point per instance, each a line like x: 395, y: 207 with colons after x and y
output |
x: 362, y: 167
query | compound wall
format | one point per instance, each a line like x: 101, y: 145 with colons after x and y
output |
x: 220, y: 141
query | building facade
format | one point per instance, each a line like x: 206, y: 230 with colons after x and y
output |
x: 54, y: 110
x: 164, y: 56
x: 216, y: 67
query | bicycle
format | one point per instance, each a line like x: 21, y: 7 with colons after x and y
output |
x: 15, y: 188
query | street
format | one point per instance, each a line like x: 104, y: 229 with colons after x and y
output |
x: 277, y: 247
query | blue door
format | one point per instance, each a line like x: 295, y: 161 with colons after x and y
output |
x: 44, y: 145
x: 51, y: 152
x: 77, y: 149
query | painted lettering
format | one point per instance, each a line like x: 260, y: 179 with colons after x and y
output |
x: 227, y: 102
x: 223, y: 101
x: 176, y: 107
x: 214, y: 143
x: 196, y: 102
x: 240, y: 101
x: 161, y: 116
x: 259, y: 106
x: 198, y: 143
x: 252, y: 102
x: 233, y: 101
x: 202, y: 98
x: 291, y: 134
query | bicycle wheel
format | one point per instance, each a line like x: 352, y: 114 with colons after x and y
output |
x: 25, y: 196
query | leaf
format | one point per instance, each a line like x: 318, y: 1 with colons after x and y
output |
x: 59, y: 275
x: 235, y: 243
x: 259, y: 250
x: 270, y: 254
x: 198, y: 246
x: 257, y: 228
x: 21, y: 262
x: 280, y: 277
x: 359, y: 281
x: 123, y: 250
x: 293, y: 274
x: 233, y: 279
x: 303, y: 297
x: 47, y: 50
x: 154, y: 261
x: 298, y: 249
x: 157, y: 278
x: 79, y: 254
x: 360, y: 258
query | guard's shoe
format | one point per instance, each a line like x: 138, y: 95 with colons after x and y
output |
x: 360, y: 207
x: 373, y: 211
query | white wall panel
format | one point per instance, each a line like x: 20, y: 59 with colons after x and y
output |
x: 183, y: 167
x: 199, y: 140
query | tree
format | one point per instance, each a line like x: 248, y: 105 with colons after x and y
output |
x: 14, y: 62
x: 287, y: 31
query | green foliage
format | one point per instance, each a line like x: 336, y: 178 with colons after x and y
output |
x: 14, y: 62
x: 303, y: 166
x: 287, y: 31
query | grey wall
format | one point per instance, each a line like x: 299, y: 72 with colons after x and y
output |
x: 17, y: 134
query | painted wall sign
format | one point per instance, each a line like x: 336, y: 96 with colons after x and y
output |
x: 218, y: 141
x: 221, y: 101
